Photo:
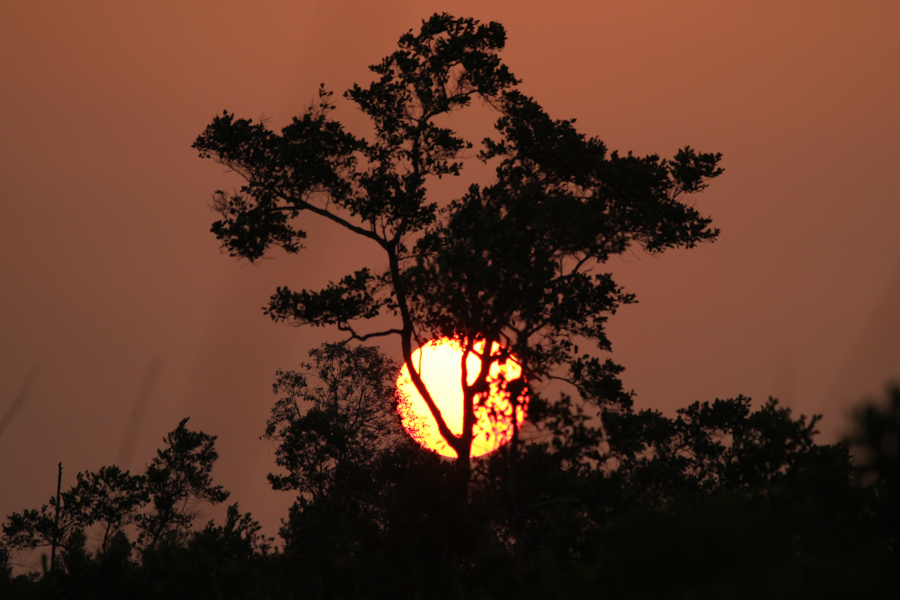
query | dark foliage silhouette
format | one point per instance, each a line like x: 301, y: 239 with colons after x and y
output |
x: 514, y: 262
x: 719, y: 500
x: 179, y: 475
x: 876, y: 441
x: 120, y: 533
x: 332, y: 418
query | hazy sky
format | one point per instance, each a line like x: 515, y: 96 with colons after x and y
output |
x: 117, y: 306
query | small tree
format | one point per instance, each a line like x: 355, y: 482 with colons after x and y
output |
x: 110, y: 504
x: 514, y: 262
x: 178, y: 477
x: 332, y: 418
x: 109, y: 498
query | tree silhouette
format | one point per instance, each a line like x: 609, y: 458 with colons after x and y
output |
x: 721, y: 498
x: 515, y: 262
x: 876, y: 442
x: 178, y: 477
x: 332, y: 418
x: 718, y: 500
x: 157, y: 506
x: 109, y: 499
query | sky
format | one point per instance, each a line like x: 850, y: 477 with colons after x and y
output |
x: 119, y: 315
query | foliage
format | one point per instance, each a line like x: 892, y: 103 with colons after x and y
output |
x: 110, y: 498
x: 876, y: 441
x: 356, y: 475
x: 122, y: 509
x: 514, y: 262
x: 179, y: 475
x: 335, y: 413
x: 720, y: 499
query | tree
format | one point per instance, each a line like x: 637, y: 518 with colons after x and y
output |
x: 111, y: 503
x: 38, y: 528
x: 178, y: 477
x: 516, y: 262
x: 875, y: 440
x: 137, y: 536
x: 719, y: 500
x: 109, y: 498
x: 332, y: 418
x: 723, y: 499
x: 362, y: 485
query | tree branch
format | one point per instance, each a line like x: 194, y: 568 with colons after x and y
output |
x: 304, y: 205
x: 355, y: 336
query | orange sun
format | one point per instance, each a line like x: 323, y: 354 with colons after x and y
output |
x: 439, y: 363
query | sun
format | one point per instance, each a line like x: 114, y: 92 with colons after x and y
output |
x: 439, y: 363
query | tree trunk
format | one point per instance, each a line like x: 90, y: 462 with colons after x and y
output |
x: 56, y: 519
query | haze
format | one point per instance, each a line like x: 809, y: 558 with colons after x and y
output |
x: 119, y: 316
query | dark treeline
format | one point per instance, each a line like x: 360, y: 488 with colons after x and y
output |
x: 720, y: 500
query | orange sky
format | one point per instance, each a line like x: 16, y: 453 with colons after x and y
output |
x: 109, y: 277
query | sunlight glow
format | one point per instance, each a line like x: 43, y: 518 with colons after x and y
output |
x: 439, y: 362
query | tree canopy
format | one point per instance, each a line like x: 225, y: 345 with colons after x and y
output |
x: 719, y: 500
x: 517, y: 261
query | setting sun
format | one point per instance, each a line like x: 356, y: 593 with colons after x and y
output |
x: 439, y: 362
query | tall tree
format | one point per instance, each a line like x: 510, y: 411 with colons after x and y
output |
x: 516, y: 263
